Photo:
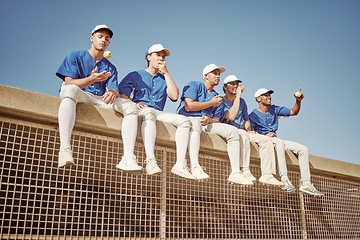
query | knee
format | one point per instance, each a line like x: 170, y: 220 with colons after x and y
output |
x: 125, y: 106
x: 303, y: 150
x: 195, y: 125
x: 183, y: 122
x: 148, y: 114
x: 233, y: 135
x: 70, y: 91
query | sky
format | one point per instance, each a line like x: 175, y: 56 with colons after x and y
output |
x: 275, y: 44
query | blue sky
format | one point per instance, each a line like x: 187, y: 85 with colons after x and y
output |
x: 275, y: 44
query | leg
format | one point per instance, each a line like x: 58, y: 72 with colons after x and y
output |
x: 128, y: 134
x: 245, y: 154
x: 267, y: 159
x: 280, y: 152
x: 303, y: 155
x: 70, y: 95
x: 231, y: 135
x: 183, y: 125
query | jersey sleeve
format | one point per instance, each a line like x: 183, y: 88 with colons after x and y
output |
x: 245, y: 112
x: 68, y: 68
x: 282, y: 111
x: 190, y: 91
x: 126, y: 85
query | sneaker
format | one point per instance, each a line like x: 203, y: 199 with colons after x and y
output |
x: 182, y: 170
x: 239, y: 178
x: 130, y: 164
x: 288, y: 187
x: 270, y: 180
x: 248, y: 175
x: 151, y: 167
x: 65, y: 157
x: 199, y: 174
x: 311, y: 190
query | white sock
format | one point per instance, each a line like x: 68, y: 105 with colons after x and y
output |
x: 194, y: 148
x: 66, y: 118
x: 182, y: 141
x: 148, y: 132
x: 129, y: 130
x: 233, y: 148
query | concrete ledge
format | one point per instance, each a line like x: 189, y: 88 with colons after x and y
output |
x: 27, y: 105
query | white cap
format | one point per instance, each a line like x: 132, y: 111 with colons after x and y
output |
x: 231, y: 78
x: 212, y: 67
x: 262, y: 91
x: 99, y: 27
x: 158, y: 48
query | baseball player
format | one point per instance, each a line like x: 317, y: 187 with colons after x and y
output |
x: 202, y: 105
x: 264, y: 120
x: 149, y: 89
x: 90, y: 78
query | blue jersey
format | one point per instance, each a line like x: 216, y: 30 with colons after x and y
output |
x: 80, y: 64
x: 264, y: 123
x: 241, y: 117
x: 197, y: 91
x: 146, y: 88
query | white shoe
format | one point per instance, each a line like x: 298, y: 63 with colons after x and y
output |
x: 182, y: 170
x: 65, y: 157
x: 311, y: 190
x: 199, y: 174
x: 130, y: 164
x: 269, y: 179
x: 288, y: 186
x: 151, y: 167
x: 239, y: 178
x: 248, y: 175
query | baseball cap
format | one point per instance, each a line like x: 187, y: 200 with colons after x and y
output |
x: 231, y: 78
x: 262, y: 91
x: 212, y: 67
x: 158, y: 48
x: 99, y: 27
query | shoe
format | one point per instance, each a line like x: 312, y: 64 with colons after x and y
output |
x: 130, y: 164
x: 65, y: 157
x: 199, y: 174
x: 311, y: 190
x: 248, y: 175
x: 151, y: 167
x: 182, y: 170
x: 270, y: 180
x: 239, y: 178
x: 288, y: 187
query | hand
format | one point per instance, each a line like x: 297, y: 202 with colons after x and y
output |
x: 299, y: 95
x: 142, y: 106
x: 99, y: 77
x: 252, y: 132
x: 239, y: 90
x: 271, y: 134
x: 205, y: 120
x: 162, y: 67
x: 110, y: 96
x: 215, y: 101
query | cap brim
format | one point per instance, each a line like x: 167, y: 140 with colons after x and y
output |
x: 222, y: 69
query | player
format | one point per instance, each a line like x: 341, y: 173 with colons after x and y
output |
x: 149, y: 89
x: 90, y: 78
x: 264, y: 120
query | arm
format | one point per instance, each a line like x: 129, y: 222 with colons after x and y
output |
x: 192, y: 105
x: 233, y: 111
x: 84, y: 82
x: 296, y: 108
x: 172, y: 89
